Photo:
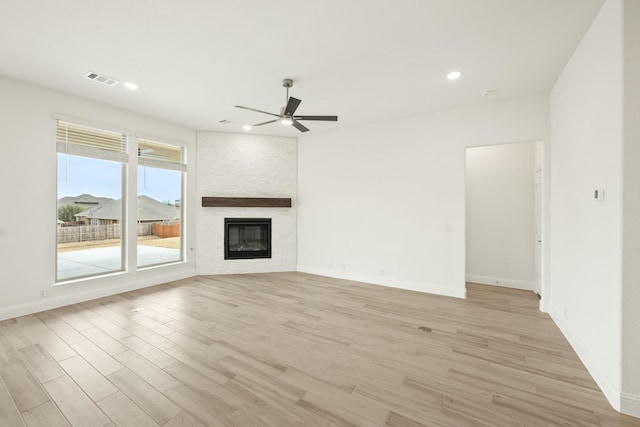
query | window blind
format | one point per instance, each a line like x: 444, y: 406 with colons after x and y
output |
x: 158, y: 155
x: 86, y: 141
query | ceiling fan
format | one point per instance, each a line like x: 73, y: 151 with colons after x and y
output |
x: 286, y: 116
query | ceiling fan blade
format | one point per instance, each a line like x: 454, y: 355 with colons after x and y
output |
x: 292, y: 106
x: 257, y: 111
x: 323, y: 118
x: 300, y: 126
x: 266, y: 123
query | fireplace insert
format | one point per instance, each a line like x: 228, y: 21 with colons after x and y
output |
x: 247, y: 238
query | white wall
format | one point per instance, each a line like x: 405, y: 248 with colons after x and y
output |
x: 586, y: 240
x: 631, y: 232
x: 500, y: 239
x: 376, y: 202
x: 246, y: 165
x: 28, y: 198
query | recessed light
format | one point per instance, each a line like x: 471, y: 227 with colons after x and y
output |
x: 246, y: 127
x: 130, y: 85
x: 454, y: 75
x: 287, y: 121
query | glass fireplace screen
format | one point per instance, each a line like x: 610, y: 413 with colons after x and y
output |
x: 247, y: 238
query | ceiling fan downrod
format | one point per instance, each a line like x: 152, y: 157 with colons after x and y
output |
x: 287, y: 83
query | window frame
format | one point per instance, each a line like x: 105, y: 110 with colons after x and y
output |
x: 129, y: 193
x: 121, y: 157
x: 182, y: 168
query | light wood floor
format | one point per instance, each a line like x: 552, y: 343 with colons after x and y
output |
x: 292, y: 349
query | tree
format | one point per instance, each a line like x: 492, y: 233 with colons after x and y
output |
x: 66, y: 213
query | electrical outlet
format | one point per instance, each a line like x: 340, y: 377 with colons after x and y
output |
x: 382, y: 273
x: 566, y: 313
x: 44, y: 293
x: 2, y: 232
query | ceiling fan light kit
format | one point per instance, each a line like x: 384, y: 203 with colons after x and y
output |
x: 287, y: 115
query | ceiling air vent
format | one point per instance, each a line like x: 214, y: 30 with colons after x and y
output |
x: 225, y: 122
x: 101, y: 79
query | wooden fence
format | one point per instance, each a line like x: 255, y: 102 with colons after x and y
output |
x: 86, y: 233
x: 167, y: 230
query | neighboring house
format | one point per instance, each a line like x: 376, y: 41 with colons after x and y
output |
x: 110, y: 212
x: 87, y: 201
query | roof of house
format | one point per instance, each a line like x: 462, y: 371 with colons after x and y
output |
x: 87, y: 200
x: 148, y: 210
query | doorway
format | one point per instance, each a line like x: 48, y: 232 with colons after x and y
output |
x: 503, y: 209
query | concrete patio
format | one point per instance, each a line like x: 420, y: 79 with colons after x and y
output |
x: 87, y: 262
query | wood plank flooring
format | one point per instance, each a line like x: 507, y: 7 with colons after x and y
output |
x: 293, y: 349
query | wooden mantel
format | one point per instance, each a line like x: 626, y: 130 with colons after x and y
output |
x: 246, y: 202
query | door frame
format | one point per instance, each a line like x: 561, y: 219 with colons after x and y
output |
x: 539, y: 284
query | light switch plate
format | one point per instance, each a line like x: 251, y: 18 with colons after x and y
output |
x: 2, y: 232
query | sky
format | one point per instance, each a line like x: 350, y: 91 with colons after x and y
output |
x: 101, y: 178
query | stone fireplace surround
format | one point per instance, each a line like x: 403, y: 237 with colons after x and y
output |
x: 245, y: 166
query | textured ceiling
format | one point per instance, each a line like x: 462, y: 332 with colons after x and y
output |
x: 365, y: 61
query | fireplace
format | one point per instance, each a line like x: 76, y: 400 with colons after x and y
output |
x: 247, y: 238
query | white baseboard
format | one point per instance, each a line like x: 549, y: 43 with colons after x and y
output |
x: 610, y: 391
x: 387, y: 281
x: 52, y: 302
x: 501, y: 281
x: 544, y: 305
x: 630, y: 404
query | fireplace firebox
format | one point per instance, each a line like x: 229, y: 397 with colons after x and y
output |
x: 247, y: 238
